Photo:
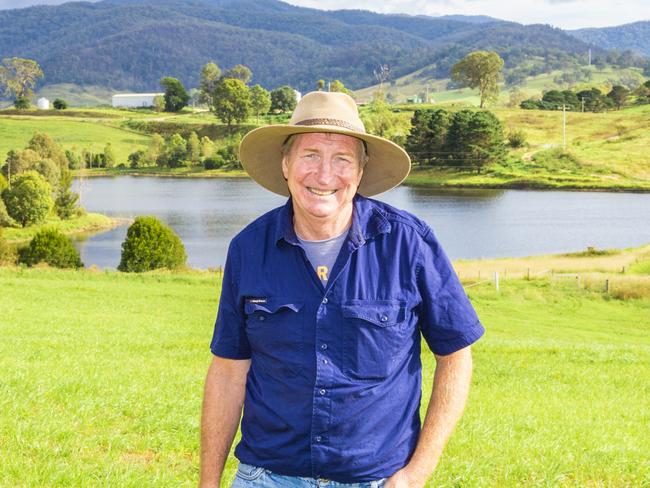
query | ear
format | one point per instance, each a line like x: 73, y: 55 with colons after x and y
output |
x: 285, y: 167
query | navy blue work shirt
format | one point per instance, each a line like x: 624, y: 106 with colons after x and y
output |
x: 334, y: 386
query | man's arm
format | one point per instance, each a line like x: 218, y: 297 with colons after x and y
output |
x: 223, y: 399
x: 448, y: 396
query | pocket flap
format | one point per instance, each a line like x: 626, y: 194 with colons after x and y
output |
x: 270, y: 305
x: 380, y: 313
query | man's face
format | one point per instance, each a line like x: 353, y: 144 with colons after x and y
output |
x: 323, y: 172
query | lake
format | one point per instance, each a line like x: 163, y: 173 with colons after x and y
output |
x: 207, y: 212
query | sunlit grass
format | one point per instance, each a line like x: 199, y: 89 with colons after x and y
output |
x: 101, y: 379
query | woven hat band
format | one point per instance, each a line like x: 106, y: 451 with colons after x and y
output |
x: 333, y: 122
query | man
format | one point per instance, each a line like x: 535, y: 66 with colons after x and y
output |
x: 322, y: 305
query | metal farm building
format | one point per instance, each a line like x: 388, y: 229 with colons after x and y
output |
x: 134, y: 100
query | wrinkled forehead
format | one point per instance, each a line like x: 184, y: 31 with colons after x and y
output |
x: 328, y: 138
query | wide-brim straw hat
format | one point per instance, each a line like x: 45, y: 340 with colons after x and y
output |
x: 260, y: 150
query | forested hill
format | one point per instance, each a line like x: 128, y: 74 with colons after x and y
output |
x: 131, y: 44
x: 635, y: 37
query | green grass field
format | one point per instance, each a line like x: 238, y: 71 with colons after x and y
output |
x: 90, y: 222
x: 101, y: 379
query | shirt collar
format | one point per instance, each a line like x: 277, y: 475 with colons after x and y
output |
x: 367, y: 222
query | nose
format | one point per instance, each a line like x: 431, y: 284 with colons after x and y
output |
x: 325, y: 171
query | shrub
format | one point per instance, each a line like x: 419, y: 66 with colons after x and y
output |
x: 5, y: 219
x: 66, y: 200
x: 149, y: 244
x: 213, y: 162
x: 60, y: 104
x: 3, y: 183
x: 52, y: 247
x: 7, y: 252
x: 22, y: 103
x: 29, y: 199
x: 516, y: 138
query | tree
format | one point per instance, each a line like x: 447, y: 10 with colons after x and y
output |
x: 210, y: 75
x: 175, y: 95
x: 260, y: 101
x: 22, y: 103
x: 158, y: 103
x: 19, y: 75
x: 207, y: 147
x: 52, y: 247
x: 109, y: 155
x: 193, y: 148
x: 618, y: 94
x: 380, y: 120
x: 482, y: 70
x: 46, y: 148
x: 239, y: 72
x: 475, y: 138
x: 175, y: 152
x: 231, y: 101
x: 320, y: 84
x: 426, y: 142
x: 60, y: 104
x: 18, y: 162
x: 283, y: 99
x: 155, y: 151
x: 151, y: 245
x: 337, y: 86
x: 29, y: 199
x: 65, y: 204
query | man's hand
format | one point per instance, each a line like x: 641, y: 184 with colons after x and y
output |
x: 402, y: 479
x: 450, y: 389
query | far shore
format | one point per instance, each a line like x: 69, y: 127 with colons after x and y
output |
x: 423, y: 178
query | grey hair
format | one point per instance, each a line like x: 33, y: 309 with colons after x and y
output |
x: 362, y: 150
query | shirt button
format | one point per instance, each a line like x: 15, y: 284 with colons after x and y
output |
x: 318, y: 438
x: 323, y: 346
x: 325, y: 361
x: 322, y: 392
x: 325, y: 300
x: 383, y: 318
x: 262, y: 318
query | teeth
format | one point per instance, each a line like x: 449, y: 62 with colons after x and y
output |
x: 321, y: 193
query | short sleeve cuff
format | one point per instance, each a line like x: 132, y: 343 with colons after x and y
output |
x: 229, y: 353
x: 470, y: 335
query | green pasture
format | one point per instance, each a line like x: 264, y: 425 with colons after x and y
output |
x: 101, y: 378
x: 89, y: 222
x: 71, y: 133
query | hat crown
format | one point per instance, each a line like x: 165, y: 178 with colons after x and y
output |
x: 328, y: 108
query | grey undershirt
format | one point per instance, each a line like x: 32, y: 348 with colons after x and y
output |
x: 322, y: 254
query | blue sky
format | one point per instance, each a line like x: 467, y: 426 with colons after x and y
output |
x: 567, y: 14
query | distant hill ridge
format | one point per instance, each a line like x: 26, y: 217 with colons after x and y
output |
x: 131, y: 44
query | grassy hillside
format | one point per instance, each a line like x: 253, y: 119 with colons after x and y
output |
x: 416, y: 83
x: 102, y: 381
x: 71, y: 132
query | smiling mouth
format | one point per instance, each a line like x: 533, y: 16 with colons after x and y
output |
x: 321, y: 193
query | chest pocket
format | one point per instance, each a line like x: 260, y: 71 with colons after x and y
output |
x: 373, y: 338
x: 275, y: 333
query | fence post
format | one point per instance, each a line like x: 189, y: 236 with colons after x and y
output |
x: 578, y: 280
x: 528, y: 274
x: 496, y: 281
x: 607, y: 285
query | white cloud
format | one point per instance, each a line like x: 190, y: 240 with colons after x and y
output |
x: 567, y: 14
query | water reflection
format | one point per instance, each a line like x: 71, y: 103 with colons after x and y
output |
x: 207, y: 213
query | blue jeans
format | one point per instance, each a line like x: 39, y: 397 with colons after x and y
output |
x: 255, y: 477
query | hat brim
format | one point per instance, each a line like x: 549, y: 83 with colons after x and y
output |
x: 260, y: 154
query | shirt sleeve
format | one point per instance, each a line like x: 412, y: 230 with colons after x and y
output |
x: 447, y: 318
x: 229, y: 339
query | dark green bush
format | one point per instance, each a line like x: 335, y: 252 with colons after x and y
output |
x: 516, y: 138
x: 149, y: 245
x: 52, y: 247
x: 60, y: 104
x: 22, y: 103
x: 213, y: 162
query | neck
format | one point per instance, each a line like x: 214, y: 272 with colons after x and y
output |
x: 320, y: 228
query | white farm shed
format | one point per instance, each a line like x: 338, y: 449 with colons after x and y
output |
x: 134, y: 99
x: 43, y: 103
